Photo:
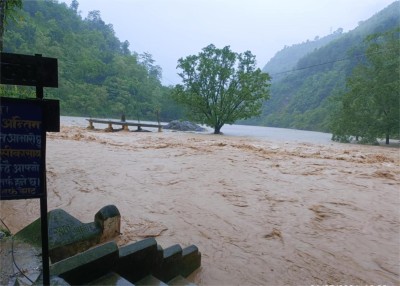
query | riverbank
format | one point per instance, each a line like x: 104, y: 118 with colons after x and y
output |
x: 262, y: 212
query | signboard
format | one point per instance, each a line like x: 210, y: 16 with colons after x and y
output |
x: 23, y: 126
x: 22, y: 149
x: 28, y: 70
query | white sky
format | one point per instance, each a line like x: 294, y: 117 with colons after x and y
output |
x: 171, y: 29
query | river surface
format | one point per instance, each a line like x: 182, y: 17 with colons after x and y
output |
x: 257, y: 132
x: 265, y: 206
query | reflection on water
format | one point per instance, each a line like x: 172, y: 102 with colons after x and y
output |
x: 269, y: 133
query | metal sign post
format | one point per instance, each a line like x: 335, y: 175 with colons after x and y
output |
x: 24, y: 123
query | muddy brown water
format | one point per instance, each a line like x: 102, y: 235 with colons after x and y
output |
x: 261, y: 212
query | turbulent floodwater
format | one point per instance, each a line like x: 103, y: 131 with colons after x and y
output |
x: 261, y: 211
x: 266, y: 133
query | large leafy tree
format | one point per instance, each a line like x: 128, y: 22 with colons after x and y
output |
x: 370, y: 108
x: 7, y: 8
x: 221, y: 86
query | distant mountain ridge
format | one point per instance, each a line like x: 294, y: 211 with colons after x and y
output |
x: 287, y: 58
x: 301, y: 99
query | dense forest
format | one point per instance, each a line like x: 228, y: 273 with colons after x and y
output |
x: 302, y: 98
x: 101, y: 76
x: 98, y: 74
x: 369, y: 107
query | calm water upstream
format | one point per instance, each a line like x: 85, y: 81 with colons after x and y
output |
x: 267, y: 133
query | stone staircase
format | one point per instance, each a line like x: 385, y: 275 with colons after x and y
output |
x: 82, y: 253
x: 140, y: 263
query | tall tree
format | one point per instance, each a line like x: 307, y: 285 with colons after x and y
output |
x: 7, y: 7
x: 74, y: 6
x: 370, y: 107
x: 221, y: 86
x: 147, y: 61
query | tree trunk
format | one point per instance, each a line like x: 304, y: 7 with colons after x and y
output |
x: 217, y: 129
x: 387, y: 139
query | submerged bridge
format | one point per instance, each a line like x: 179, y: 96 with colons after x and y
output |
x: 125, y: 124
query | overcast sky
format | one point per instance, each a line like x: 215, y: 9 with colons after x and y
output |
x: 171, y: 29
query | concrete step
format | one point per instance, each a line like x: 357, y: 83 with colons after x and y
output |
x: 87, y: 266
x: 136, y: 260
x: 112, y: 279
x: 150, y: 281
x: 180, y: 281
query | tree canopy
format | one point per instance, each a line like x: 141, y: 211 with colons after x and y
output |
x: 220, y: 86
x: 370, y: 107
x: 6, y: 10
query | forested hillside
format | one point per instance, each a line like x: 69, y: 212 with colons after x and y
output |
x: 287, y: 58
x: 98, y: 74
x: 301, y: 99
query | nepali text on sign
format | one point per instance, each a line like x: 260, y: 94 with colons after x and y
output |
x: 21, y: 148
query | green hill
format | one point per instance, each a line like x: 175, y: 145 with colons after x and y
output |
x: 301, y: 99
x: 287, y: 58
x: 98, y: 74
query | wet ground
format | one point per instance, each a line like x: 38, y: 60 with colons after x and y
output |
x: 27, y: 258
